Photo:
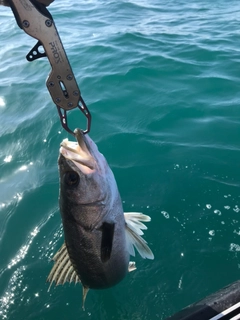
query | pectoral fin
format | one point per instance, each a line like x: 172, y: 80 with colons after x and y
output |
x: 107, y: 240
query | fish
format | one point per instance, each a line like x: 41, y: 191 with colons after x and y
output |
x: 44, y: 2
x: 98, y: 236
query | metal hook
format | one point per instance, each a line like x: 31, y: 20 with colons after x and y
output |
x: 87, y: 114
x: 63, y: 117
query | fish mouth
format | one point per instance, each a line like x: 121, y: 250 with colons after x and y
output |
x: 78, y: 152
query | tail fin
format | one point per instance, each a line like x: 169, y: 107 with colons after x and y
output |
x: 134, y: 228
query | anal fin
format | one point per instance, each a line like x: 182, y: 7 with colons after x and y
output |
x: 131, y: 266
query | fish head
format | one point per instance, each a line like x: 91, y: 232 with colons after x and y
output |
x: 85, y: 177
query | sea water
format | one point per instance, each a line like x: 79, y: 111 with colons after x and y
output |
x: 162, y: 82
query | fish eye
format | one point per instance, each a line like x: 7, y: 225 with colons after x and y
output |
x: 71, y: 178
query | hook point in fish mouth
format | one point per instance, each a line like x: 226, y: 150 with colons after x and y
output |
x: 78, y: 152
x: 79, y: 135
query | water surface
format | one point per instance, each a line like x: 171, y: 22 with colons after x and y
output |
x: 162, y: 83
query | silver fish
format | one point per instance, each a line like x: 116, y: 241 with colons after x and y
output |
x: 99, y: 237
x: 45, y: 2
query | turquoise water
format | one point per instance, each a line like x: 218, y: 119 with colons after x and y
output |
x: 162, y: 81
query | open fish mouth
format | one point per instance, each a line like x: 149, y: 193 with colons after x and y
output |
x: 78, y: 152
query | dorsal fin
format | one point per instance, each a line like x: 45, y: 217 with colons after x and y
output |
x: 62, y: 270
